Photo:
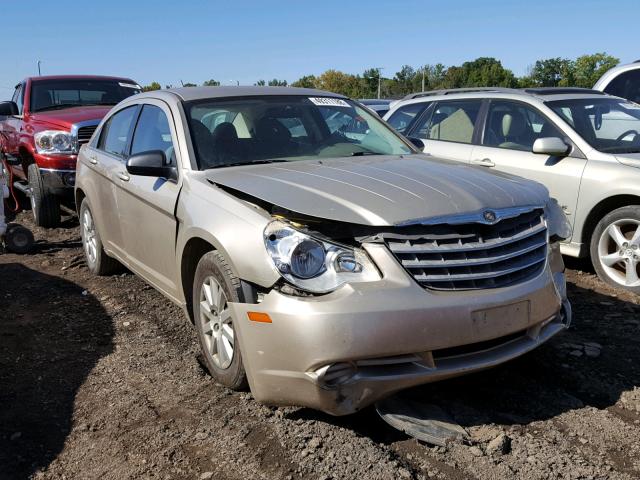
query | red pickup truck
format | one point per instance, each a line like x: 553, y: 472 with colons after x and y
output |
x: 42, y: 129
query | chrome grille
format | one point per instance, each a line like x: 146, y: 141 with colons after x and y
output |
x: 85, y: 133
x: 473, y: 255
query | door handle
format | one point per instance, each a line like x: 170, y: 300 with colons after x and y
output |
x: 93, y: 159
x: 484, y: 162
x: 123, y: 176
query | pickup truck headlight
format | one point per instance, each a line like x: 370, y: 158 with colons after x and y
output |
x: 557, y: 223
x: 313, y: 264
x: 55, y: 141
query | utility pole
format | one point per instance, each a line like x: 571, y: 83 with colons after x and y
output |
x: 423, y: 72
x: 379, y: 69
x: 39, y: 62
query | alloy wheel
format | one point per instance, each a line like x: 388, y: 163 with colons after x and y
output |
x: 89, y: 239
x: 217, y: 324
x: 619, y: 252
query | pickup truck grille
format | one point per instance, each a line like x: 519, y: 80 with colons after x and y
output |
x: 85, y: 133
x: 473, y: 255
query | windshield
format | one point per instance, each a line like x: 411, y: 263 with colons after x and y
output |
x: 58, y: 94
x: 286, y: 128
x: 607, y: 124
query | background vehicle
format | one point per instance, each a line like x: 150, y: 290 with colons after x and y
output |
x: 379, y: 105
x: 621, y: 81
x: 44, y: 125
x: 583, y: 145
x: 299, y: 244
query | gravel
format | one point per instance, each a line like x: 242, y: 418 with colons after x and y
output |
x: 107, y: 384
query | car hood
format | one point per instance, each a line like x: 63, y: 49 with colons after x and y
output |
x: 380, y: 190
x: 67, y: 117
x: 631, y: 159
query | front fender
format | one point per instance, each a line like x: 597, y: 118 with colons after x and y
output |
x: 230, y: 225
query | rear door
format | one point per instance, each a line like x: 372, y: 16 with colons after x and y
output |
x: 104, y: 159
x: 146, y: 205
x: 506, y: 144
x: 448, y: 129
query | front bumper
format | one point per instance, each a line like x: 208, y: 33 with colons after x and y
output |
x: 58, y: 181
x: 343, y: 351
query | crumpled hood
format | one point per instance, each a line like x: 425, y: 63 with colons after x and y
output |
x: 380, y: 190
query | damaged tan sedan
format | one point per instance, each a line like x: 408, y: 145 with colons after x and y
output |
x: 323, y: 260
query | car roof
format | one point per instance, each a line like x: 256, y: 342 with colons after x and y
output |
x: 541, y: 94
x: 188, y: 94
x: 79, y: 77
x: 612, y: 73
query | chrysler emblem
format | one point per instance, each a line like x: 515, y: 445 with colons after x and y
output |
x: 489, y: 216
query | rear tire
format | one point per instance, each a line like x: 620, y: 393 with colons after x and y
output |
x: 214, y: 285
x: 615, y: 248
x: 98, y: 262
x: 44, y: 205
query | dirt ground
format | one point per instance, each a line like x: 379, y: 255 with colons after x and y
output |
x: 100, y: 378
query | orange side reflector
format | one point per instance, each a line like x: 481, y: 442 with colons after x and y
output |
x: 259, y: 317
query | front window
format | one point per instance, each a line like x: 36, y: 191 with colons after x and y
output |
x: 58, y: 94
x: 608, y: 125
x: 626, y: 85
x: 286, y: 129
x: 515, y: 126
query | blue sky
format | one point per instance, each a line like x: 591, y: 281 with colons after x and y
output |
x: 246, y: 41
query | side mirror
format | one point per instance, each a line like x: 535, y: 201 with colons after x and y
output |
x: 8, y: 109
x: 151, y: 164
x: 551, y: 146
x: 419, y: 144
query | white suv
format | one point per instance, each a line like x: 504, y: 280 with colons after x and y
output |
x: 622, y: 81
x: 583, y: 145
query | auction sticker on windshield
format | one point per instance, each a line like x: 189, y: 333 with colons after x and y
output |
x: 329, y: 102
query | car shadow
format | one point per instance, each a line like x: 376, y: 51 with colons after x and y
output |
x: 557, y: 377
x: 45, y: 357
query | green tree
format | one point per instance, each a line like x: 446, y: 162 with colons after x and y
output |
x: 340, y: 82
x: 550, y: 72
x: 260, y: 83
x: 189, y: 84
x: 370, y: 83
x: 306, y: 81
x: 211, y: 83
x: 151, y: 86
x: 404, y: 81
x: 277, y: 83
x: 589, y: 68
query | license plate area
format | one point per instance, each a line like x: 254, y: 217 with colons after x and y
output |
x: 502, y: 320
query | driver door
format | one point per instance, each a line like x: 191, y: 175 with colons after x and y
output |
x: 146, y: 205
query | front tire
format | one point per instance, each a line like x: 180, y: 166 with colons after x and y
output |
x: 214, y: 286
x: 44, y: 205
x: 98, y: 262
x: 615, y: 248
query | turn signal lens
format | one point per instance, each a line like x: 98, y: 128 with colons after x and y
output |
x: 259, y: 317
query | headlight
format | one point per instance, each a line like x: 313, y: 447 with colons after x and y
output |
x: 55, y: 141
x: 312, y: 264
x: 557, y: 223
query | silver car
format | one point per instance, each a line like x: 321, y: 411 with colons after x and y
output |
x: 322, y: 259
x: 583, y: 145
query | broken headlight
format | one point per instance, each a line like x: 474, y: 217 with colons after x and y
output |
x: 313, y: 264
x: 557, y: 223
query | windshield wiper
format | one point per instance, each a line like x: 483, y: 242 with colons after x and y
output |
x: 360, y: 154
x: 57, y: 106
x: 255, y: 162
